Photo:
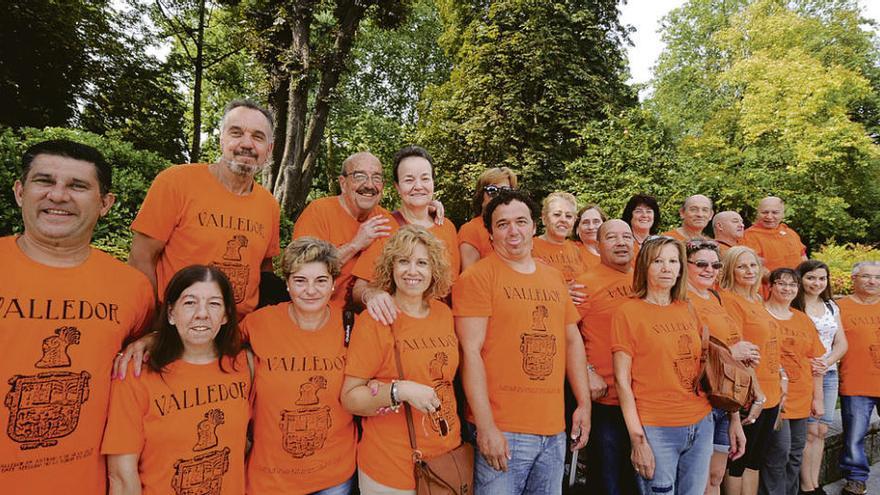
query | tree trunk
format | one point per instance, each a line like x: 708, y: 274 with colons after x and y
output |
x: 196, y: 150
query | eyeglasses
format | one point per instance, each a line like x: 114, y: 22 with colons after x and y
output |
x: 866, y: 277
x: 786, y: 285
x: 493, y: 190
x: 361, y: 177
x: 702, y: 264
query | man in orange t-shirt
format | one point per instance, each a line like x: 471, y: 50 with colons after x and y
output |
x: 517, y: 328
x: 65, y: 309
x: 728, y: 228
x: 607, y: 286
x: 774, y: 242
x: 859, y: 371
x: 695, y: 213
x: 214, y: 214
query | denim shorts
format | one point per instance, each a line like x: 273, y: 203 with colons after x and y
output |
x: 829, y: 394
x: 721, y: 438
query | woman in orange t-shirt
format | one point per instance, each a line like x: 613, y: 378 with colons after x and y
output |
x: 413, y: 269
x: 642, y: 213
x: 741, y: 284
x: 800, y: 346
x: 703, y: 265
x: 656, y: 347
x: 552, y: 247
x: 189, y: 411
x: 585, y: 233
x: 473, y: 238
x: 304, y: 440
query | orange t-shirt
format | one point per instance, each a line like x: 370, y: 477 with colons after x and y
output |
x: 565, y: 257
x: 760, y: 328
x: 723, y: 247
x: 325, y: 218
x: 59, y: 330
x: 524, y: 351
x: 606, y: 290
x: 188, y: 424
x: 780, y: 247
x: 675, y: 234
x: 201, y: 222
x: 429, y: 355
x: 304, y: 441
x: 722, y: 325
x: 860, y: 366
x: 474, y: 233
x: 589, y: 259
x: 800, y: 342
x: 664, y: 344
x: 366, y: 264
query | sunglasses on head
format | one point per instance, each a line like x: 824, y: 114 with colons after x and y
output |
x: 702, y: 264
x: 493, y: 190
x: 698, y: 244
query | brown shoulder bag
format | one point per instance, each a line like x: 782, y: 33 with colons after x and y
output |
x: 725, y: 381
x: 451, y: 473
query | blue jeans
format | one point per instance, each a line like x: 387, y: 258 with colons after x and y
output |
x: 721, y: 434
x: 829, y: 395
x: 855, y: 411
x: 681, y: 458
x: 609, y: 468
x: 343, y: 488
x: 536, y: 466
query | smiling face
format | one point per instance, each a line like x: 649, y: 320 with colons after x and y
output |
x: 198, y: 314
x: 771, y: 211
x: 696, y: 213
x: 559, y: 219
x: 588, y: 226
x: 784, y: 289
x: 310, y: 287
x: 701, y: 272
x: 616, y: 244
x: 815, y: 281
x: 362, y: 184
x: 415, y: 182
x: 746, y: 271
x: 61, y: 201
x: 512, y: 231
x: 663, y: 271
x: 866, y: 283
x: 642, y: 218
x: 412, y: 273
x: 245, y: 141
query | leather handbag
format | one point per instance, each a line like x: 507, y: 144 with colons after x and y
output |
x: 451, y: 473
x: 725, y: 381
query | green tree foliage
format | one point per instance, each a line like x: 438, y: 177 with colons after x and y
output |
x: 778, y: 114
x: 527, y: 75
x: 133, y: 172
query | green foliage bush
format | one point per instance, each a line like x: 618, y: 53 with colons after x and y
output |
x: 840, y: 259
x: 133, y: 172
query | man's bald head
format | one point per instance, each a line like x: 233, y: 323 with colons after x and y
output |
x: 771, y: 212
x: 728, y: 227
x: 615, y: 243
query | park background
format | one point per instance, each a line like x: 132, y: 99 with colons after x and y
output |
x: 747, y: 98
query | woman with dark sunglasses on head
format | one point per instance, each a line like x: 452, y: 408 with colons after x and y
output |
x: 656, y: 348
x: 703, y: 268
x: 800, y: 346
x: 815, y: 299
x: 473, y: 237
x: 414, y: 270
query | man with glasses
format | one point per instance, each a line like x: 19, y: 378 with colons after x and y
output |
x: 695, y: 214
x: 728, y: 227
x: 607, y: 286
x: 778, y: 245
x: 214, y: 214
x: 859, y: 372
x: 352, y: 220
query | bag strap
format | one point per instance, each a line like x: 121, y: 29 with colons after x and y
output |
x: 406, y: 408
x: 401, y: 221
x: 717, y: 295
x: 347, y: 325
x: 704, y: 345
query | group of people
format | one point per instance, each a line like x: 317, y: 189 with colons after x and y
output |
x: 399, y: 337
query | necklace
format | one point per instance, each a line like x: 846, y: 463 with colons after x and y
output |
x: 324, y: 317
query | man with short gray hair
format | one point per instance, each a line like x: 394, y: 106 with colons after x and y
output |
x: 859, y: 372
x: 695, y: 213
x: 214, y: 214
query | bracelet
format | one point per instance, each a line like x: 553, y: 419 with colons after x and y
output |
x: 591, y: 368
x: 760, y: 402
x: 395, y: 401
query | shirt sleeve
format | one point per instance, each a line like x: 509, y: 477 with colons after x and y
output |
x: 124, y: 433
x: 366, y: 352
x: 309, y: 224
x: 471, y: 294
x: 274, y: 247
x: 162, y: 208
x: 621, y: 333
